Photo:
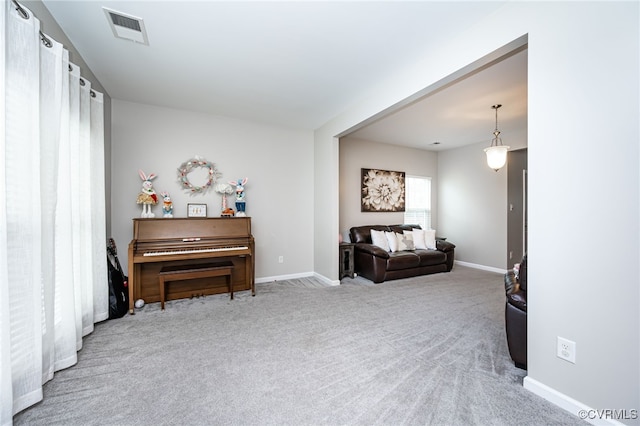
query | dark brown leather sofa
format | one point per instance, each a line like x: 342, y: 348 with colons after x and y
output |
x: 378, y: 265
x: 516, y: 314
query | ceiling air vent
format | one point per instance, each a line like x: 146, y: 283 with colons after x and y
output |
x: 126, y: 26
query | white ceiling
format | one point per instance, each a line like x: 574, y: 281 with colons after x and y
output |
x: 462, y: 113
x: 296, y: 64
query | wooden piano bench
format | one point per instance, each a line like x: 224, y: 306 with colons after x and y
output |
x: 193, y: 271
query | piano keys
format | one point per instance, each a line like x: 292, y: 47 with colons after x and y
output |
x: 160, y: 242
x: 194, y: 251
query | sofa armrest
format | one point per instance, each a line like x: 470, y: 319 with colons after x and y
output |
x: 372, y: 250
x: 515, y: 295
x: 444, y: 246
x: 518, y: 299
x: 511, y: 283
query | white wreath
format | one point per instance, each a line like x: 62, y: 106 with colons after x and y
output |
x: 194, y: 163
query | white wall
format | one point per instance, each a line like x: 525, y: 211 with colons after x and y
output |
x: 356, y: 154
x: 277, y: 161
x: 325, y: 225
x: 473, y: 206
x: 577, y: 183
x: 473, y: 203
x: 583, y: 187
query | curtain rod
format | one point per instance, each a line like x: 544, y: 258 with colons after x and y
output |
x: 45, y: 40
x: 25, y: 15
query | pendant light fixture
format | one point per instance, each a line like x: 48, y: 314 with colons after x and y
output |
x: 496, y: 153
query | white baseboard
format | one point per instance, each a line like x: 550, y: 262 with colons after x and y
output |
x: 578, y: 409
x: 283, y: 277
x: 325, y: 279
x: 483, y: 267
x: 294, y: 276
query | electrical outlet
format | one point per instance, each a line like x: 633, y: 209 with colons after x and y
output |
x: 566, y: 350
x: 280, y: 259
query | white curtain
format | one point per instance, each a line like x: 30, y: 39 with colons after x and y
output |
x: 53, y: 273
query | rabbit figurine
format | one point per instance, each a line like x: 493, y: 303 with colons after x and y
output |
x: 240, y: 202
x: 167, y: 205
x: 147, y: 197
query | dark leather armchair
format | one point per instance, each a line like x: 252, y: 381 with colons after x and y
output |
x: 516, y: 314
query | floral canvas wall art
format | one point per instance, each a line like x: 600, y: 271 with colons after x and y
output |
x: 382, y: 191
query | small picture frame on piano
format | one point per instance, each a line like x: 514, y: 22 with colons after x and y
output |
x: 196, y: 210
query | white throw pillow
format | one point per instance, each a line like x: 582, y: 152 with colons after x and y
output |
x: 418, y: 239
x: 430, y: 238
x: 405, y: 241
x: 393, y: 241
x: 378, y: 238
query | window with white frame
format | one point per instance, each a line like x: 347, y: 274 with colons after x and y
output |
x: 418, y: 201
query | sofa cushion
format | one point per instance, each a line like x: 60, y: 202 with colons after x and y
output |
x: 402, y: 260
x: 405, y: 241
x: 362, y: 234
x: 430, y: 257
x: 418, y: 238
x: 423, y: 238
x: 393, y: 241
x: 379, y: 238
x: 430, y: 238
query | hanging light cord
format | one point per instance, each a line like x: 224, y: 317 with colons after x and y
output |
x: 496, y: 133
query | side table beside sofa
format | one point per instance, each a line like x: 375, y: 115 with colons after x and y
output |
x: 346, y: 261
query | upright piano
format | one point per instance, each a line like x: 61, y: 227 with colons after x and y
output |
x: 163, y: 242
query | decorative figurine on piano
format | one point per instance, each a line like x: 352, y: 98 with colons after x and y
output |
x: 224, y: 189
x: 147, y: 197
x: 167, y: 204
x: 240, y: 203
